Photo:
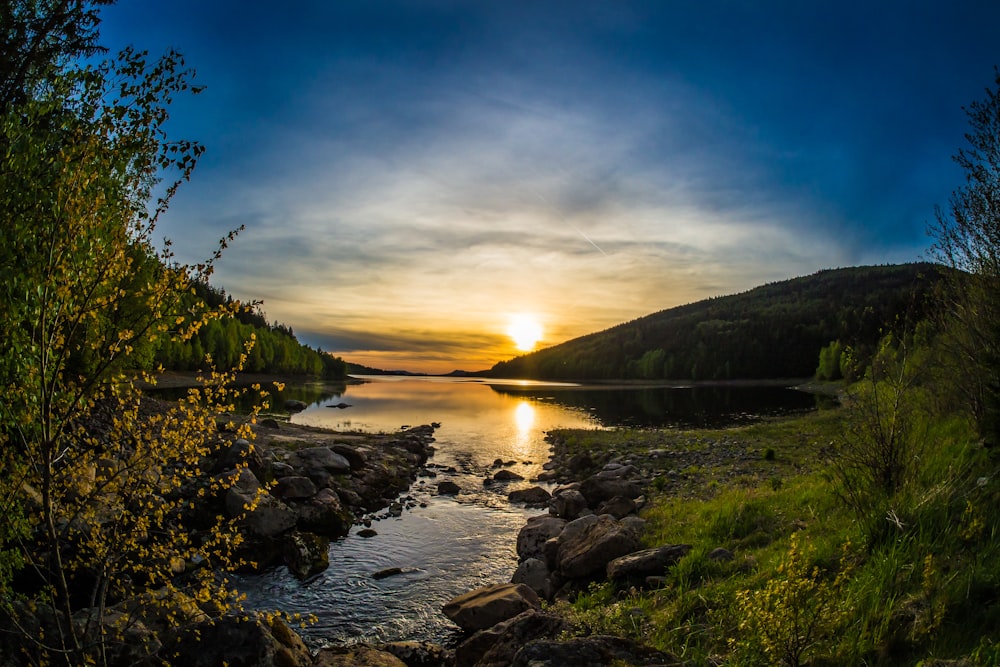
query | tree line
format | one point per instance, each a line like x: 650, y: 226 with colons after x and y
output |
x: 221, y: 342
x: 773, y: 331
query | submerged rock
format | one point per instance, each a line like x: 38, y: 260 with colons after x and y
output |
x: 534, y: 495
x: 358, y: 655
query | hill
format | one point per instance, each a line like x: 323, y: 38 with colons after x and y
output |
x: 772, y: 331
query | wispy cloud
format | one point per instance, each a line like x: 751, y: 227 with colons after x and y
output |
x: 410, y: 177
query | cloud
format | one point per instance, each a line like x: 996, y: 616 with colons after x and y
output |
x: 408, y: 177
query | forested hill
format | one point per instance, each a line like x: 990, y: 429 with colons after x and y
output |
x: 276, y: 351
x: 772, y: 331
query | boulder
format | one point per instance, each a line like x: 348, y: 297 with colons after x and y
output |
x: 270, y: 518
x: 487, y: 606
x: 534, y: 495
x: 533, y: 535
x: 295, y: 406
x: 587, y: 549
x: 357, y: 655
x: 619, y: 507
x: 420, y: 654
x: 496, y: 646
x: 568, y: 504
x: 598, y: 489
x: 507, y: 476
x: 324, y: 514
x: 594, y: 650
x: 448, y: 488
x: 636, y: 566
x: 534, y: 573
x: 241, y: 493
x: 253, y: 455
x: 306, y: 554
x: 237, y: 641
x: 356, y: 457
x: 294, y: 488
x: 322, y: 458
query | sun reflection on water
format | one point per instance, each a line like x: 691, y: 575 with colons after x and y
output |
x: 524, y: 419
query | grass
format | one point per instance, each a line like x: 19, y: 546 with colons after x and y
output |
x: 922, y: 586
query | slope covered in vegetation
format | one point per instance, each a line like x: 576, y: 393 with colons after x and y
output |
x: 772, y: 331
x: 276, y: 350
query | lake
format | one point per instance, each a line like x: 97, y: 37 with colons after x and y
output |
x: 451, y: 545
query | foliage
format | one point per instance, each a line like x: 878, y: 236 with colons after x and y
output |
x: 831, y: 362
x: 773, y: 331
x: 796, y: 614
x: 967, y: 238
x: 276, y: 350
x: 882, y: 445
x: 102, y: 546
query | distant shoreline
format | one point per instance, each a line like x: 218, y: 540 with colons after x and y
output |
x: 188, y: 379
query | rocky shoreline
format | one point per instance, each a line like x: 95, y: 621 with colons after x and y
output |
x: 592, y: 532
x: 313, y: 485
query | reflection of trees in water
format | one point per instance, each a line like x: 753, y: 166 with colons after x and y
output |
x: 673, y: 406
x: 309, y: 393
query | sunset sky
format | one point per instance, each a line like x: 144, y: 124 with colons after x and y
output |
x: 413, y: 175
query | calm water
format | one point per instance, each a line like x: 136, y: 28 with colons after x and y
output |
x: 455, y: 544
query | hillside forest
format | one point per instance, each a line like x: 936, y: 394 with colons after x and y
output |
x: 772, y: 331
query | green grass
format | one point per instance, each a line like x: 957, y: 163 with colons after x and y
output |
x: 925, y: 586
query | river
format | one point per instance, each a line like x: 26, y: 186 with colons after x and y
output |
x: 449, y: 545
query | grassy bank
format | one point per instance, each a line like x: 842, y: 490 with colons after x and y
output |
x: 804, y: 578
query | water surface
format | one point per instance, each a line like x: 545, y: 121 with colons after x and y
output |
x: 451, y: 545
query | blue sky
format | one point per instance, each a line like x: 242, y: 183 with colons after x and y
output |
x: 414, y: 174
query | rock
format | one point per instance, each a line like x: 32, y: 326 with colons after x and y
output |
x: 322, y: 458
x: 367, y: 532
x: 485, y: 607
x: 598, y: 489
x: 533, y: 535
x: 580, y: 462
x: 534, y: 495
x: 420, y: 654
x: 617, y: 471
x: 569, y: 504
x: 588, y: 548
x: 306, y: 554
x: 241, y: 493
x: 294, y: 488
x: 619, y: 507
x: 636, y: 524
x: 295, y: 406
x: 270, y: 518
x: 324, y: 514
x: 357, y: 655
x: 496, y: 646
x: 349, y: 497
x: 448, y: 488
x: 636, y: 566
x: 507, y: 476
x: 387, y: 572
x: 270, y: 422
x: 720, y: 553
x: 357, y: 458
x: 534, y: 573
x: 253, y: 455
x: 236, y: 641
x: 594, y: 650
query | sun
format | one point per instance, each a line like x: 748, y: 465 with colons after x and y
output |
x: 525, y: 331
